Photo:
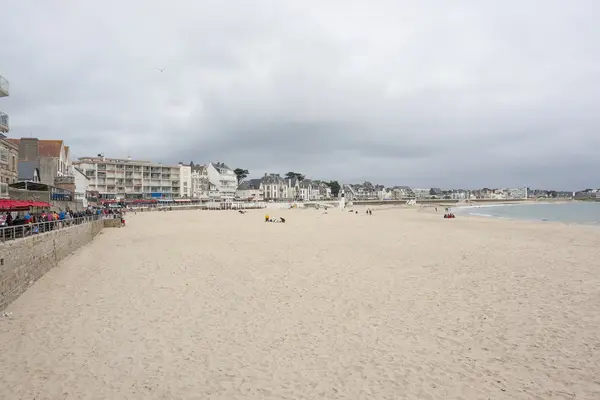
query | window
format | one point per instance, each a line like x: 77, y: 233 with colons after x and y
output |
x: 14, y: 163
x: 4, y: 155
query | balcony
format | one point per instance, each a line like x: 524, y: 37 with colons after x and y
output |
x: 3, y: 122
x: 3, y: 87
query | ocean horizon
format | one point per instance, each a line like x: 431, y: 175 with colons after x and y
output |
x: 576, y: 212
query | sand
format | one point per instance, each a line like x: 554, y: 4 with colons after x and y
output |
x: 400, y: 304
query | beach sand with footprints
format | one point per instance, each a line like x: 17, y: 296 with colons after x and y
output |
x: 398, y: 304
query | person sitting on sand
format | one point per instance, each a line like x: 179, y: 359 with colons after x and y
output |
x: 267, y: 218
x: 282, y: 219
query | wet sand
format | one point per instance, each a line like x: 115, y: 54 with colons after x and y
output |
x: 400, y: 304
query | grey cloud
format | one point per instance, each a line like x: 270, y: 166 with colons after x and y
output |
x: 422, y: 93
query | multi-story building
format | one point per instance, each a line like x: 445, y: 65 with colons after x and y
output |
x: 251, y: 190
x: 200, y: 183
x: 9, y: 155
x: 223, y: 181
x: 115, y: 178
x: 274, y: 187
x: 43, y: 160
x: 82, y: 183
x: 3, y: 116
x: 363, y: 191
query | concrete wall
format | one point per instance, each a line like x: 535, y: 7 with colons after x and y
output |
x: 24, y: 261
x: 22, y: 194
x: 112, y: 223
x: 48, y: 169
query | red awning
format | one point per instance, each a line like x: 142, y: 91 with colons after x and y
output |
x: 21, y: 205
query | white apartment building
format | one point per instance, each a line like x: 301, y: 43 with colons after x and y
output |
x: 115, y: 178
x: 223, y: 181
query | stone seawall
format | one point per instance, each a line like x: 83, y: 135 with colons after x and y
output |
x: 24, y: 261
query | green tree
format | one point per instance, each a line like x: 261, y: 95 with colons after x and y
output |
x: 335, y: 187
x: 292, y: 175
x: 241, y: 174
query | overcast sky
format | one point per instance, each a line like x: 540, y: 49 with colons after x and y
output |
x: 421, y: 93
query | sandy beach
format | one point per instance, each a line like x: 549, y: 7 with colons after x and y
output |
x: 398, y: 305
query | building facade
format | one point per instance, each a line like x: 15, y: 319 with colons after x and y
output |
x: 9, y: 156
x: 82, y: 184
x: 4, y: 92
x: 274, y: 187
x: 200, y: 182
x: 223, y: 181
x: 115, y: 178
x: 42, y: 160
x: 251, y: 190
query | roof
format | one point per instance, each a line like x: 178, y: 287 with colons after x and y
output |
x: 220, y: 165
x: 199, y: 168
x: 46, y: 148
x: 26, y: 170
x: 81, y: 172
x: 250, y: 184
x: 272, y: 179
x: 50, y: 148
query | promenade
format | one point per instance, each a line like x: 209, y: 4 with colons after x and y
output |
x: 400, y: 304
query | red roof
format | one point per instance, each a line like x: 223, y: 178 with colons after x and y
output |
x: 46, y: 148
x: 49, y: 148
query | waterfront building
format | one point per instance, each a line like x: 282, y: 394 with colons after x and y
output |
x: 82, y: 183
x: 274, y: 187
x: 4, y: 92
x: 115, y: 178
x: 9, y: 155
x: 223, y: 181
x: 43, y: 160
x: 363, y: 191
x: 200, y: 183
x: 251, y: 190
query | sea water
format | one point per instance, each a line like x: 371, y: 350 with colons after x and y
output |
x: 578, y: 212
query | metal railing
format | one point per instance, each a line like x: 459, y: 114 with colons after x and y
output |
x: 24, y: 230
x: 3, y: 122
x: 4, y: 87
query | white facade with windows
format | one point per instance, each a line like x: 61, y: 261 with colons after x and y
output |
x: 82, y: 184
x: 223, y: 182
x: 115, y: 178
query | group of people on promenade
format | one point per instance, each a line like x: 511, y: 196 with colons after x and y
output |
x: 43, y: 216
x: 26, y: 223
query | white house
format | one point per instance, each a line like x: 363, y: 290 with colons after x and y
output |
x: 250, y: 190
x: 223, y: 180
x: 82, y: 183
x: 274, y: 187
